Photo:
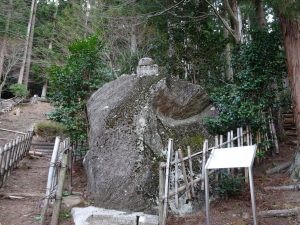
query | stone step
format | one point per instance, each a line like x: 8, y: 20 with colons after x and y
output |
x: 96, y: 216
x: 46, y: 148
x: 42, y: 145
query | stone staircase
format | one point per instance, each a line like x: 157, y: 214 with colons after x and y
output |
x: 46, y: 148
x: 289, y: 125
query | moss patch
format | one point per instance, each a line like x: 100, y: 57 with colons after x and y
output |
x: 125, y: 112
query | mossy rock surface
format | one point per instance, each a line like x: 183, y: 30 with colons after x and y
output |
x: 131, y: 120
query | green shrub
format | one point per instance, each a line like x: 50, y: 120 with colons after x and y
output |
x: 19, y: 90
x: 49, y: 129
x: 230, y: 185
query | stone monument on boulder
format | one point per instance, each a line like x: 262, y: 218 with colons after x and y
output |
x: 131, y: 119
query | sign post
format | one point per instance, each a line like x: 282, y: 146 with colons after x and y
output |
x: 235, y: 157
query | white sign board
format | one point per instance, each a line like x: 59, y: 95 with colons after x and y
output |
x: 235, y: 157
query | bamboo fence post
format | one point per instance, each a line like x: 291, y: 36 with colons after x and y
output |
x: 49, y: 180
x: 191, y: 171
x: 4, y: 153
x: 1, y: 163
x: 205, y: 147
x: 166, y: 192
x: 58, y: 199
x: 238, y: 137
x: 267, y: 144
x: 162, y: 181
x: 247, y: 136
x: 216, y: 141
x: 27, y: 145
x: 12, y: 154
x: 221, y: 141
x: 250, y: 137
x: 176, y: 180
x: 70, y: 186
x: 16, y: 161
x: 7, y: 161
x: 15, y: 158
x: 23, y: 146
x: 216, y: 146
x: 188, y: 194
x: 274, y: 135
x: 231, y: 137
x: 242, y: 136
x: 228, y: 139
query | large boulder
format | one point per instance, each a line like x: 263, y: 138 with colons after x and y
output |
x: 131, y: 119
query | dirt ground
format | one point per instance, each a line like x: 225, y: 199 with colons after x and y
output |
x: 30, y: 177
x: 29, y: 115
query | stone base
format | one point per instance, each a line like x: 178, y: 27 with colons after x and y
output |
x: 99, y: 216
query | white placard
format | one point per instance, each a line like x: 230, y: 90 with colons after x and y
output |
x: 235, y: 157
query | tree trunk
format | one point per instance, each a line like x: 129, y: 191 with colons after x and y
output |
x: 28, y: 58
x: 87, y: 17
x: 44, y: 90
x: 133, y: 40
x: 260, y: 14
x: 3, y: 46
x: 234, y: 13
x: 21, y: 74
x: 291, y: 37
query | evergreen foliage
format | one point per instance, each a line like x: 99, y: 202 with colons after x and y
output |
x: 256, y: 87
x: 72, y: 84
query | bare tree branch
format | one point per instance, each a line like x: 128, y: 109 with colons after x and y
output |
x: 225, y: 23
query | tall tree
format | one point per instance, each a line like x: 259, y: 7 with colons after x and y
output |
x: 289, y: 16
x: 4, y: 40
x: 28, y: 39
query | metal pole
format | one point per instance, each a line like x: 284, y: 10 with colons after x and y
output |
x: 252, y: 195
x: 206, y: 197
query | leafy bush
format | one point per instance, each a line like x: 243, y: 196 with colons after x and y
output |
x: 19, y: 90
x: 257, y: 83
x: 230, y: 185
x: 72, y: 84
x: 49, y: 129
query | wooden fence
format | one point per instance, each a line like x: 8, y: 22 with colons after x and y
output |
x: 60, y: 162
x: 183, y: 174
x: 12, y: 153
x: 8, y: 104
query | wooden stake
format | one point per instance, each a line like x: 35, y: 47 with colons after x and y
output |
x: 273, y: 132
x: 228, y: 139
x: 191, y: 171
x: 12, y: 131
x: 166, y: 192
x: 238, y: 137
x: 221, y: 141
x: 50, y: 180
x: 205, y: 147
x: 248, y: 136
x: 231, y: 137
x: 176, y: 180
x: 58, y: 199
x: 216, y: 141
x: 242, y: 136
x: 188, y: 194
x: 162, y: 180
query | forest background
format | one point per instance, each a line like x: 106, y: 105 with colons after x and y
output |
x: 246, y: 53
